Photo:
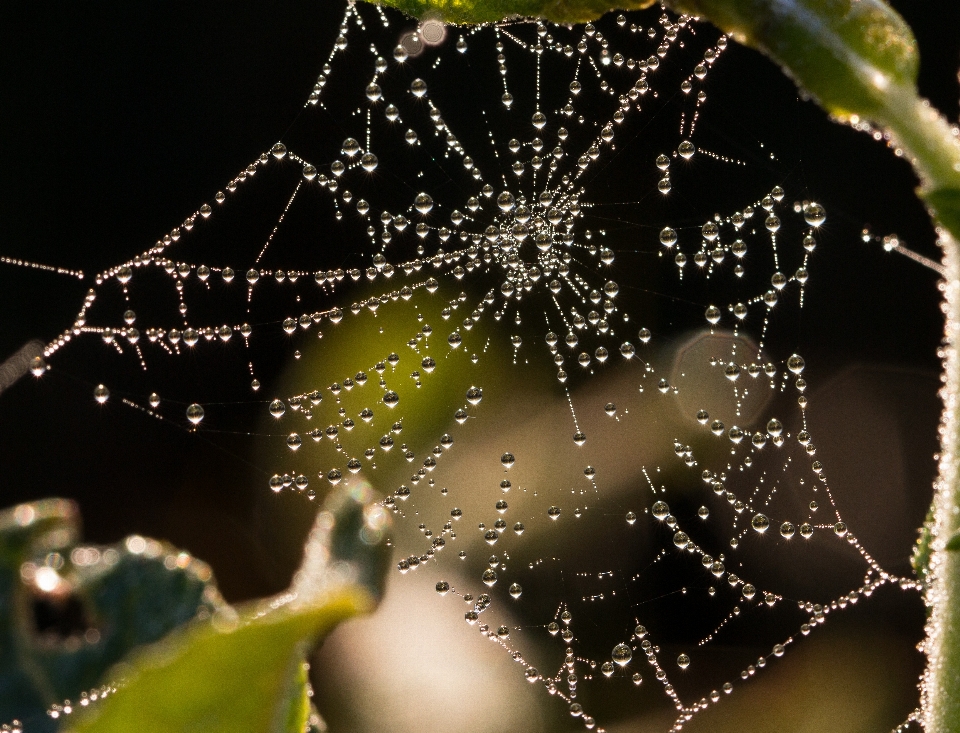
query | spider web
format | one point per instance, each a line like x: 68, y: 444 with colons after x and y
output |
x: 478, y: 275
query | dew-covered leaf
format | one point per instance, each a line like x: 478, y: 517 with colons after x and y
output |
x: 72, y: 611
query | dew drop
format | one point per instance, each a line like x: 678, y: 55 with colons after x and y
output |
x: 621, y: 654
x: 195, y: 413
x: 814, y: 214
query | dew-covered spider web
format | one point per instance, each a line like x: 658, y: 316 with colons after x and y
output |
x: 516, y: 280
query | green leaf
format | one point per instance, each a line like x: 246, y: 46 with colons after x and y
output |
x: 97, y: 603
x: 243, y: 670
x: 233, y: 675
x: 953, y: 544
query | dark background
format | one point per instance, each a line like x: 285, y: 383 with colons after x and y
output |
x: 116, y: 120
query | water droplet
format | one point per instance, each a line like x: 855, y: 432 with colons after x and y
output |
x: 683, y: 661
x: 38, y: 366
x: 195, y: 413
x: 814, y: 214
x: 443, y: 587
x: 660, y: 510
x: 418, y: 87
x: 760, y: 523
x: 101, y: 394
x: 621, y: 654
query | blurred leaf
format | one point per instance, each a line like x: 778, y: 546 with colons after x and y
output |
x: 243, y: 670
x: 232, y: 675
x: 68, y: 612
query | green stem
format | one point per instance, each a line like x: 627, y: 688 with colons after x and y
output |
x: 940, y: 692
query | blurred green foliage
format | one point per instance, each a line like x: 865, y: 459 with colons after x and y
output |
x: 242, y: 672
x: 96, y: 603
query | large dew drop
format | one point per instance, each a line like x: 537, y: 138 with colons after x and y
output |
x: 621, y: 654
x: 195, y: 413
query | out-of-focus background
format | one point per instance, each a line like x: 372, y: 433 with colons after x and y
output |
x: 115, y: 122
